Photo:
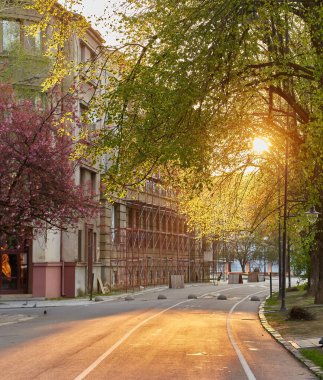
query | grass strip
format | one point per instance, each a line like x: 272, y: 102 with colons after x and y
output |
x: 313, y: 354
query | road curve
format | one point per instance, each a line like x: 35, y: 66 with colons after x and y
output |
x: 150, y: 339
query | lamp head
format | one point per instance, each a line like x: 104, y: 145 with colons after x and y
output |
x: 312, y: 215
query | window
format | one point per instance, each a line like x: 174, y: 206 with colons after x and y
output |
x: 93, y: 181
x: 130, y: 217
x: 83, y: 52
x: 79, y: 246
x: 170, y: 224
x: 151, y: 220
x: 157, y: 221
x: 88, y: 119
x: 88, y: 180
x: 144, y: 220
x: 83, y: 177
x: 86, y: 53
x: 164, y: 223
x: 9, y: 34
x: 33, y: 43
x: 39, y: 100
x: 95, y: 258
x: 83, y: 109
x: 115, y: 221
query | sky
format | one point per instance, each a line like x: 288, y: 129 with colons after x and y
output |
x: 95, y: 8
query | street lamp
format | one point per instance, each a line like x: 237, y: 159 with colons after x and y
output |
x: 265, y: 241
x: 312, y: 215
x: 285, y: 205
x: 261, y: 146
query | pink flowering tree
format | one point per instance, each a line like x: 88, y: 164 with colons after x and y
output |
x: 37, y: 188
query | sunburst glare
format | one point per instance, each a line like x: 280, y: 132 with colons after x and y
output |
x: 260, y: 145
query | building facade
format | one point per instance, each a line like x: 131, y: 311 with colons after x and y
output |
x: 133, y: 242
x: 144, y: 240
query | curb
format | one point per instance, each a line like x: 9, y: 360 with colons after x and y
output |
x: 288, y: 345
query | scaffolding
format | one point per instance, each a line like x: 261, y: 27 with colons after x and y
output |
x: 155, y: 244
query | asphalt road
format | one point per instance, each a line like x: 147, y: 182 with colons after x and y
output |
x: 148, y: 338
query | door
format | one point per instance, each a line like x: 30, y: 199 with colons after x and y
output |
x: 14, y: 274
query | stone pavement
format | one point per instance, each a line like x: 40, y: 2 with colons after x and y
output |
x: 293, y: 346
x: 307, y: 343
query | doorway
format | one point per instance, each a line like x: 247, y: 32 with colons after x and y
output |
x: 15, y: 268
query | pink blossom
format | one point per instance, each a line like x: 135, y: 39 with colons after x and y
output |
x: 36, y: 174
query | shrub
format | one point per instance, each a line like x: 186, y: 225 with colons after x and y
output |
x: 292, y: 289
x: 298, y: 313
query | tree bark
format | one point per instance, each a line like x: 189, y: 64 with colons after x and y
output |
x: 314, y: 273
x: 319, y: 253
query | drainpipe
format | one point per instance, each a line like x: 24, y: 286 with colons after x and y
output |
x: 62, y: 265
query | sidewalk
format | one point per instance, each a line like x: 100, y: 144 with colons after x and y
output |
x: 29, y: 302
x: 295, y: 345
x: 306, y: 343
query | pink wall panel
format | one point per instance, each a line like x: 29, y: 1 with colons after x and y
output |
x: 46, y: 280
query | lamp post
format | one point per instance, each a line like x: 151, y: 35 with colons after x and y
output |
x: 279, y: 238
x: 264, y: 252
x: 283, y: 270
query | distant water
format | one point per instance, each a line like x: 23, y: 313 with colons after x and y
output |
x: 236, y: 267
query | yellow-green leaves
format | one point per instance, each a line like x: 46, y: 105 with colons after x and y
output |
x: 59, y: 25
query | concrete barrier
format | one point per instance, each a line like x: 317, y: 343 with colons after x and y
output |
x: 176, y: 281
x: 235, y: 278
x: 256, y: 277
x: 253, y: 277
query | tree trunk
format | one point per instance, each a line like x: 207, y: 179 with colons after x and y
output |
x: 314, y: 273
x: 319, y: 252
x: 315, y: 23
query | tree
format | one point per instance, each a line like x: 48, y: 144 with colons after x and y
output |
x: 6, y: 5
x: 191, y: 79
x: 239, y: 208
x: 243, y: 250
x: 196, y: 79
x: 37, y: 188
x: 59, y: 24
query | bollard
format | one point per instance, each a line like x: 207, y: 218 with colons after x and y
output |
x: 271, y: 284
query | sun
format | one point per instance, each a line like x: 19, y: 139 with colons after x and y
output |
x: 260, y: 145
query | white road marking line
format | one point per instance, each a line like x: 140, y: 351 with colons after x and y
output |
x: 242, y: 360
x: 99, y: 360
x: 89, y: 369
x: 295, y: 345
x: 216, y: 293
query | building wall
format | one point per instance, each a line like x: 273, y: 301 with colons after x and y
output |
x: 147, y: 241
x: 59, y: 260
x: 139, y: 240
x: 83, y: 242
